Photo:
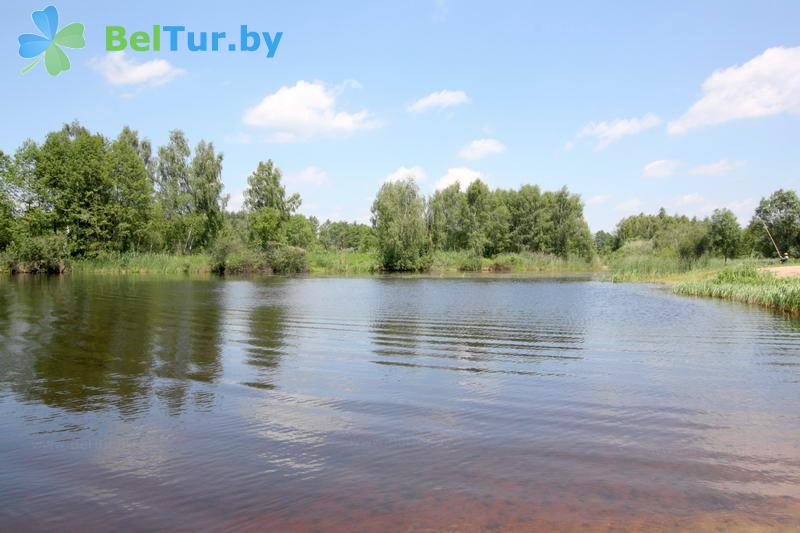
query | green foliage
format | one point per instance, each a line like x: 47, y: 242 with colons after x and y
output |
x: 347, y: 236
x: 780, y: 212
x: 265, y: 190
x: 604, y: 242
x: 45, y: 254
x: 267, y: 226
x: 471, y: 263
x: 301, y: 231
x: 287, y: 259
x: 141, y: 263
x: 501, y: 221
x: 322, y: 261
x: 747, y: 285
x: 725, y: 234
x: 398, y: 215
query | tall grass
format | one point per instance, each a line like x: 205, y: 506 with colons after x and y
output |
x: 323, y: 261
x: 146, y: 263
x: 746, y: 284
x: 465, y: 261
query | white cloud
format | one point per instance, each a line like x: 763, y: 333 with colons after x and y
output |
x: 608, y: 132
x: 480, y: 148
x: 689, y: 199
x: 417, y: 174
x: 766, y: 85
x: 662, y: 168
x: 118, y: 70
x: 308, y: 176
x: 461, y: 175
x: 599, y: 199
x: 305, y: 110
x: 439, y: 100
x: 718, y: 168
x: 629, y: 206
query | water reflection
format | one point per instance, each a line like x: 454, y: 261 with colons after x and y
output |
x: 392, y: 404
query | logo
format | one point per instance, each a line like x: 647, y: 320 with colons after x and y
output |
x: 49, y: 44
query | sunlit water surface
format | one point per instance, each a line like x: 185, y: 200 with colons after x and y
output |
x: 392, y: 404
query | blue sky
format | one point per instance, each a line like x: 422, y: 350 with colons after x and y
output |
x: 634, y: 105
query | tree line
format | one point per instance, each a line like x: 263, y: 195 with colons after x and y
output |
x: 774, y: 226
x: 80, y: 194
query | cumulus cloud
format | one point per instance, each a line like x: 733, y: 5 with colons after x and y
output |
x: 662, y: 168
x: 417, y: 174
x: 461, y: 175
x: 599, y: 199
x: 766, y: 85
x: 718, y: 168
x: 439, y: 100
x: 308, y: 176
x: 117, y: 69
x: 608, y: 132
x: 305, y: 110
x: 481, y: 148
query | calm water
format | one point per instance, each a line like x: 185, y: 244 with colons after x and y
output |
x: 392, y: 404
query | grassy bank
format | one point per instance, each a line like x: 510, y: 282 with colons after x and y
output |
x: 747, y: 285
x: 142, y: 264
x: 462, y: 261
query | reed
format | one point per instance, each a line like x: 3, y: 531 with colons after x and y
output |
x: 747, y: 285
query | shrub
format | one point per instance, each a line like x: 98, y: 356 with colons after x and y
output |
x: 287, y: 259
x: 41, y: 254
x: 471, y: 263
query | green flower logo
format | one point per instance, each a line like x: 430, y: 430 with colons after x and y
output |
x: 55, y: 60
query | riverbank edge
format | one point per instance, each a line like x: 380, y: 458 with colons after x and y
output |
x: 759, y: 286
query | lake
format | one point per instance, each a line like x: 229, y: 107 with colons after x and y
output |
x: 392, y: 404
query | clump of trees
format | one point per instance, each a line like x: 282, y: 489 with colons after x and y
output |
x: 718, y: 235
x: 80, y: 194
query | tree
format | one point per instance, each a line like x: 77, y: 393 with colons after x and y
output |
x: 173, y: 196
x: 447, y: 218
x: 604, y: 242
x: 399, y: 222
x: 205, y: 189
x: 725, y: 234
x: 264, y: 189
x: 267, y: 227
x: 6, y: 204
x: 780, y: 212
x: 300, y: 231
x: 132, y: 194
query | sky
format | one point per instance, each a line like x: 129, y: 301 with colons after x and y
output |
x: 633, y: 105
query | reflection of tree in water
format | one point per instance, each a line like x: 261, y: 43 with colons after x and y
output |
x: 266, y: 344
x: 108, y: 343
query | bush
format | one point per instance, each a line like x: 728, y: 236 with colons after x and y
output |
x: 471, y: 263
x: 230, y: 255
x: 44, y: 254
x: 287, y: 259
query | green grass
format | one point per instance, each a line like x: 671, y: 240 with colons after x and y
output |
x: 464, y: 261
x: 147, y: 263
x: 321, y: 261
x: 747, y: 285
